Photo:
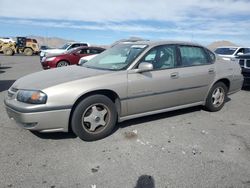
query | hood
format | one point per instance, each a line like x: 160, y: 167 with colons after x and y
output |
x: 57, y: 50
x: 52, y: 52
x: 48, y: 78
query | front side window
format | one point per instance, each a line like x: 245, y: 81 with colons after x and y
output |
x: 191, y: 56
x: 74, y: 46
x: 65, y: 46
x: 83, y: 51
x: 246, y: 50
x: 94, y: 51
x: 118, y: 57
x: 162, y: 57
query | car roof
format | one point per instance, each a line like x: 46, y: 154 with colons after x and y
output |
x: 82, y: 47
x: 229, y: 47
x: 156, y: 43
x: 89, y: 47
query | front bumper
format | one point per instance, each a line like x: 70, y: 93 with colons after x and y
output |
x: 48, y: 64
x: 45, y: 65
x: 42, y: 121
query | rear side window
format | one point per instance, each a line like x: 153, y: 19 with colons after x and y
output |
x: 192, y: 56
x: 75, y: 45
x: 83, y: 44
x: 247, y: 50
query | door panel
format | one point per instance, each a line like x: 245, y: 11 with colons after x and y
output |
x: 152, y: 91
x: 165, y: 88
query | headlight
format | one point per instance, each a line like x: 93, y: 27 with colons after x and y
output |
x: 50, y: 58
x: 32, y: 97
x: 42, y: 54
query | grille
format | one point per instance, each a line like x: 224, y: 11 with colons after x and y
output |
x: 241, y: 62
x: 248, y: 64
x: 246, y: 74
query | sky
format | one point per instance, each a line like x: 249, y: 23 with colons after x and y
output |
x: 105, y: 21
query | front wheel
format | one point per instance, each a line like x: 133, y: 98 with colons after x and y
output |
x: 8, y: 51
x: 94, y: 118
x: 216, y: 97
x: 28, y: 52
x: 62, y: 64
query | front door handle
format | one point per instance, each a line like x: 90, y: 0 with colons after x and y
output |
x: 174, y: 75
x: 211, y: 71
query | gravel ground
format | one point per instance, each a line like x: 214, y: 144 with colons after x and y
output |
x: 184, y: 148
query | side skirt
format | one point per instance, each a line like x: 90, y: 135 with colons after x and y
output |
x: 159, y: 111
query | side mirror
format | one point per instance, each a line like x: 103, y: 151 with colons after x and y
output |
x: 144, y: 67
x: 240, y: 53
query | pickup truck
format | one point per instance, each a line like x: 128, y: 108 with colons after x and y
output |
x: 244, y: 61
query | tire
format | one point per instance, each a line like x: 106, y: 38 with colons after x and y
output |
x: 28, y: 52
x: 94, y: 118
x: 8, y: 52
x: 216, y: 97
x: 62, y: 64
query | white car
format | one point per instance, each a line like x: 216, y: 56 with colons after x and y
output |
x: 7, y: 39
x: 228, y: 52
x: 64, y: 48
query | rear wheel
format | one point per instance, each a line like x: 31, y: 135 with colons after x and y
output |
x: 94, y: 118
x: 28, y: 52
x: 8, y: 51
x: 62, y: 64
x: 216, y: 97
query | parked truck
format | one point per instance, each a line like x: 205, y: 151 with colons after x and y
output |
x: 22, y: 45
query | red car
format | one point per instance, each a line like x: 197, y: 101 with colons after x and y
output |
x: 70, y: 57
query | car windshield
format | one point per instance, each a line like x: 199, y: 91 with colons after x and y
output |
x: 225, y: 51
x: 118, y: 57
x: 65, y: 46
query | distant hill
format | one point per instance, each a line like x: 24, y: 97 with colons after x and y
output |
x: 53, y: 42
x: 217, y: 44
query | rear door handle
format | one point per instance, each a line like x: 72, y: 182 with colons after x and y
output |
x: 211, y: 71
x: 174, y: 75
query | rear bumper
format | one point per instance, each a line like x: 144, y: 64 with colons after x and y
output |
x: 236, y: 85
x: 45, y: 121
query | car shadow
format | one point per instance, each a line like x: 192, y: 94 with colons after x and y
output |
x: 55, y: 136
x: 3, y: 67
x: 132, y: 122
x: 227, y: 99
x: 145, y: 181
x: 5, y: 84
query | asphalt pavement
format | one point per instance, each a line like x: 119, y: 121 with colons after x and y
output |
x: 184, y: 148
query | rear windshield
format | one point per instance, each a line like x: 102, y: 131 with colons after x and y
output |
x: 225, y: 51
